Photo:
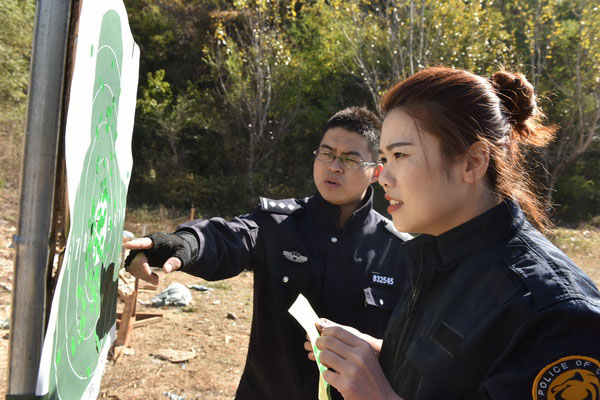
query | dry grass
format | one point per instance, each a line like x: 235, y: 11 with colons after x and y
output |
x: 583, y: 246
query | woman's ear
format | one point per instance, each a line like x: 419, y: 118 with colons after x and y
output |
x: 477, y: 162
x: 376, y: 173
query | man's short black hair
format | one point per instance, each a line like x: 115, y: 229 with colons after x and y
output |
x: 358, y: 120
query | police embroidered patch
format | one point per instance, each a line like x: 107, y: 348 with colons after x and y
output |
x: 569, y: 378
x: 295, y: 256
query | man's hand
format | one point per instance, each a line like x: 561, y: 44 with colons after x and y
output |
x: 352, y: 359
x: 158, y: 250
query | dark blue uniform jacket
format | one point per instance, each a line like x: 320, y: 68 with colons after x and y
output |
x: 496, y: 311
x: 294, y: 246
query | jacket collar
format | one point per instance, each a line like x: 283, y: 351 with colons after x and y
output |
x: 328, y: 213
x: 495, y: 225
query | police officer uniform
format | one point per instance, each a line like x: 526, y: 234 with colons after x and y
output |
x: 495, y: 311
x: 353, y: 276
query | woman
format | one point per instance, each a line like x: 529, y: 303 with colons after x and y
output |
x: 495, y: 310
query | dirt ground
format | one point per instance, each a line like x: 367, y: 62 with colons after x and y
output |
x: 204, y: 328
x: 218, y: 340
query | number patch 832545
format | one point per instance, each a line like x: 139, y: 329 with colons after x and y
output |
x: 381, y: 279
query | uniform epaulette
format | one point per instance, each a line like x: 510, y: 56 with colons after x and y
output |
x: 389, y: 225
x: 284, y: 206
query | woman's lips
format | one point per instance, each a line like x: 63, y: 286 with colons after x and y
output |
x: 394, y: 204
x: 393, y: 207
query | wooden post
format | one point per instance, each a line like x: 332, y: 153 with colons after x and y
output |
x: 125, y: 321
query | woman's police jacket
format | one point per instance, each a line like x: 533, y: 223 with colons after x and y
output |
x: 495, y: 311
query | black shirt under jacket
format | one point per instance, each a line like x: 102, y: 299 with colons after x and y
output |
x: 496, y: 311
x: 295, y: 246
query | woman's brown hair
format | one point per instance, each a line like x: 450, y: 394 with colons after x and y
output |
x: 460, y: 108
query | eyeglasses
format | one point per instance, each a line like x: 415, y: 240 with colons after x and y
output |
x: 351, y: 162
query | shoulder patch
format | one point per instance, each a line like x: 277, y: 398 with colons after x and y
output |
x: 285, y: 206
x: 389, y: 225
x: 571, y: 377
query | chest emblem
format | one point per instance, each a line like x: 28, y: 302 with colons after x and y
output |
x: 572, y: 377
x: 294, y: 256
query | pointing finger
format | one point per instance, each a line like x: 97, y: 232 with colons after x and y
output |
x: 139, y: 244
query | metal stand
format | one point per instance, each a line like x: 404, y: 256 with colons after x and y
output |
x: 33, y: 240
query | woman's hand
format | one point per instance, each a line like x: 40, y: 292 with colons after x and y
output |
x: 324, y: 322
x: 352, y: 359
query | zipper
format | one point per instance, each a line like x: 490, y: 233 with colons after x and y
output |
x: 403, y: 325
x: 409, y: 321
x: 416, y: 287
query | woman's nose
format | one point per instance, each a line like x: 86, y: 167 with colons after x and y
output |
x: 384, y: 177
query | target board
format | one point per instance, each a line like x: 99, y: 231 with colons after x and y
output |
x: 98, y: 133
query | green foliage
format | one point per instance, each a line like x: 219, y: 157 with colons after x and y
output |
x: 234, y: 93
x: 381, y: 42
x: 578, y: 191
x: 171, y: 34
x: 258, y: 78
x: 16, y: 19
x: 174, y: 146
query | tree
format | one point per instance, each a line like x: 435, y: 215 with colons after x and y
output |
x: 560, y: 52
x: 387, y: 40
x: 16, y: 19
x: 251, y: 82
x: 577, y: 57
x: 252, y: 63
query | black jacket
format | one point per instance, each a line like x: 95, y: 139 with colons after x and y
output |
x: 496, y: 312
x: 294, y: 246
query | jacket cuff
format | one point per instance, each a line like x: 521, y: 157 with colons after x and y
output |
x: 191, y: 241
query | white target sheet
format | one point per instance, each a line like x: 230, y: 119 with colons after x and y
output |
x: 99, y: 127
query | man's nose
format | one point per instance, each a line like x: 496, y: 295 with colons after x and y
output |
x: 336, y: 165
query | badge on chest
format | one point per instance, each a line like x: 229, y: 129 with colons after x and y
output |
x: 381, y: 280
x: 294, y: 256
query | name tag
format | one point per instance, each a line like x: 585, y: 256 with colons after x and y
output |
x: 369, y: 297
x: 378, y: 279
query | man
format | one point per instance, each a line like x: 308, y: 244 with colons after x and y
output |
x: 343, y: 256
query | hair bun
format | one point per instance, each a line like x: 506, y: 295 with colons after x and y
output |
x: 517, y: 96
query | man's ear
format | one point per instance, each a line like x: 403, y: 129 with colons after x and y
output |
x: 376, y: 172
x: 477, y: 162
